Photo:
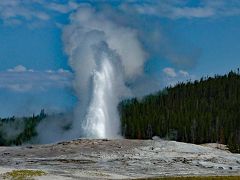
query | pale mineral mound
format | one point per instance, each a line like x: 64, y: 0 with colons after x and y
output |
x: 119, y: 159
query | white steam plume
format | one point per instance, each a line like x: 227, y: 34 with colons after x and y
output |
x: 104, y: 56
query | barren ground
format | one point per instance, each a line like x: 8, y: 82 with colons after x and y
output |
x: 119, y: 159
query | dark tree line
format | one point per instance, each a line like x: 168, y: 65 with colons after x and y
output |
x: 16, y: 131
x: 195, y: 112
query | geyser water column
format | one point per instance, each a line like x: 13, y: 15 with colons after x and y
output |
x: 99, y: 112
x: 104, y: 55
x: 102, y: 120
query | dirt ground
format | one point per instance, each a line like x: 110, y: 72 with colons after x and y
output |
x: 119, y: 159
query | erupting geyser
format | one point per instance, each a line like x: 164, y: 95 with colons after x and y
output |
x: 104, y: 55
x: 102, y: 114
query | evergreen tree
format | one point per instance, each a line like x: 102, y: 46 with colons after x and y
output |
x: 196, y: 112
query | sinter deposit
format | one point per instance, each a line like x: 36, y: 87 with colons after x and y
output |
x: 119, y: 159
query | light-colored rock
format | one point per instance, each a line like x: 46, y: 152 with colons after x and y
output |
x: 119, y: 159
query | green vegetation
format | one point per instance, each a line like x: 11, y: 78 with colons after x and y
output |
x: 195, y: 112
x: 15, y: 131
x: 197, y: 178
x: 23, y: 174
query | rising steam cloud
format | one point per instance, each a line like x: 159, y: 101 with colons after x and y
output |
x: 104, y: 56
x: 108, y: 48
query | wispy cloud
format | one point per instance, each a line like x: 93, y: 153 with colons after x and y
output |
x: 63, y: 8
x: 170, y: 72
x: 20, y: 68
x: 21, y: 79
x: 15, y: 12
x: 172, y: 76
x: 175, y: 9
x: 184, y: 73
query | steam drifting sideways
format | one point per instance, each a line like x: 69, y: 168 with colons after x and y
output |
x: 104, y: 56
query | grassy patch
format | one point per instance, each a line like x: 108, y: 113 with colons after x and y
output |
x: 197, y: 178
x: 23, y: 174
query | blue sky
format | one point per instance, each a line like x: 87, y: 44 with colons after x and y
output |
x: 190, y: 39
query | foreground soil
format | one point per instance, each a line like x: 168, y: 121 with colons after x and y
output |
x: 196, y: 178
x: 117, y: 159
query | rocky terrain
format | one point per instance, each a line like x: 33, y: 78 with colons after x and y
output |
x: 119, y: 159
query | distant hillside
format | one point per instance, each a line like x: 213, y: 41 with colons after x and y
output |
x: 196, y: 112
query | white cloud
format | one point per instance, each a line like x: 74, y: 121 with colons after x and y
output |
x: 184, y: 73
x: 170, y: 72
x: 63, y: 71
x: 176, y: 9
x: 21, y: 79
x: 171, y: 76
x: 14, y: 12
x: 19, y: 68
x: 49, y: 71
x: 19, y: 87
x: 42, y: 16
x: 187, y: 12
x: 63, y: 8
x: 183, y: 12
